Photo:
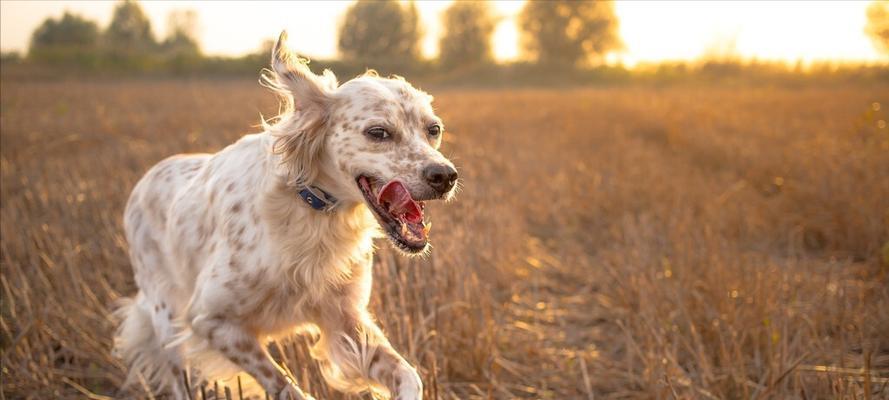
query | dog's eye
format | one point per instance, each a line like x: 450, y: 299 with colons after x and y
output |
x: 378, y: 133
x: 435, y: 130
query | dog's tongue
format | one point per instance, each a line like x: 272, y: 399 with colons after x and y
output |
x: 400, y: 203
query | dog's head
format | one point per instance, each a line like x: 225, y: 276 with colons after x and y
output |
x: 372, y: 140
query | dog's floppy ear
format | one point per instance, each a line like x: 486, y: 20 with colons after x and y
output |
x: 299, y: 133
x: 293, y: 74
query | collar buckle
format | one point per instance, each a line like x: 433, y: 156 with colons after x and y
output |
x: 318, y: 199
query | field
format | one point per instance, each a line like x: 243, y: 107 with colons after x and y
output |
x: 625, y: 242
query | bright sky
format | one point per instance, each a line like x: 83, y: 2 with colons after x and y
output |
x: 652, y: 31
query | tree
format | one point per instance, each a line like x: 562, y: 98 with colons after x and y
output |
x: 68, y: 40
x: 71, y: 31
x: 180, y: 49
x: 182, y: 26
x: 130, y: 29
x: 878, y: 25
x: 384, y: 32
x: 566, y: 32
x: 467, y: 39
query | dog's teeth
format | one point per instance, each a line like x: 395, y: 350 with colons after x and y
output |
x: 404, y: 230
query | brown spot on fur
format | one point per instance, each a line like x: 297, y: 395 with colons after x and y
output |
x: 253, y: 280
x: 236, y: 207
x: 244, y: 346
x: 265, y: 371
x: 151, y: 245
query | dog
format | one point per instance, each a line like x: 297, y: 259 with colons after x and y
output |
x: 274, y: 234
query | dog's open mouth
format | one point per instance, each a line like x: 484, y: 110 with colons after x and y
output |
x: 400, y: 215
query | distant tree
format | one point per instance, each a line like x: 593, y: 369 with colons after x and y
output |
x: 569, y: 32
x: 182, y: 27
x: 71, y: 31
x: 468, y: 29
x: 69, y: 40
x: 130, y: 29
x: 10, y: 57
x: 878, y: 25
x: 384, y: 32
x: 180, y: 48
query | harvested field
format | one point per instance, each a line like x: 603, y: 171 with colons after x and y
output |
x: 627, y: 242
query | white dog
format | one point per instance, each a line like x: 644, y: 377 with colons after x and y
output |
x: 274, y: 233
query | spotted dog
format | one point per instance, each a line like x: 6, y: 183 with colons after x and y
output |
x: 273, y: 234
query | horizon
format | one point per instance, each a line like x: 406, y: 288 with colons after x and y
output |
x: 653, y: 32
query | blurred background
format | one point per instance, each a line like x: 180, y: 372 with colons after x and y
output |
x: 502, y: 42
x: 661, y: 199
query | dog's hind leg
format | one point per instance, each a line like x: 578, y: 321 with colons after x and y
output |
x: 141, y: 345
x: 146, y: 326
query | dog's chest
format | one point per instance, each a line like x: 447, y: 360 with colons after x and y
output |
x: 296, y: 291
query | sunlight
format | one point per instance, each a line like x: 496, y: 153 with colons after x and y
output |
x: 786, y: 31
x: 505, y: 41
x: 651, y: 31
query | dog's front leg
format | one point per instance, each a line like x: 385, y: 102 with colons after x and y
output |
x: 245, y: 350
x: 360, y: 352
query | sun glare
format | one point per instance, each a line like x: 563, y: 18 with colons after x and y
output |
x: 505, y: 41
x: 785, y: 31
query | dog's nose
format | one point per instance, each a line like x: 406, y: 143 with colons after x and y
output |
x: 441, y: 177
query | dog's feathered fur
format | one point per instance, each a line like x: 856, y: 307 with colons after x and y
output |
x: 226, y: 255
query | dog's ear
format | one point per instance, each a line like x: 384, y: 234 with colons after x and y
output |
x: 293, y: 73
x: 307, y: 99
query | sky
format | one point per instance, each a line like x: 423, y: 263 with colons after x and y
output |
x: 652, y: 31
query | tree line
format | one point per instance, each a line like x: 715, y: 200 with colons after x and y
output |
x: 373, y: 34
x: 127, y: 43
x: 571, y: 37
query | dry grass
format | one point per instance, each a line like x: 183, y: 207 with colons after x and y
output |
x: 609, y: 243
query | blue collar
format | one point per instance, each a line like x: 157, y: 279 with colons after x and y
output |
x: 318, y: 199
